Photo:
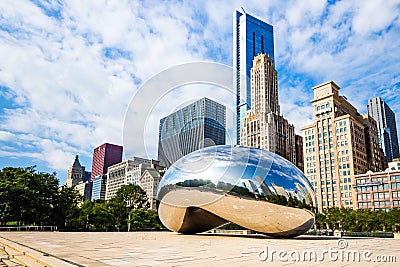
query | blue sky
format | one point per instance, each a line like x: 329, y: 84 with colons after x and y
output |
x: 68, y: 69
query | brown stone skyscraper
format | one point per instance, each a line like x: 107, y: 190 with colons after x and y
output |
x: 76, y: 173
x: 264, y: 85
x: 338, y: 145
x: 263, y: 127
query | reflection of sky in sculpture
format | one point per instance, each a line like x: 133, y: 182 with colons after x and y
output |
x: 255, y: 170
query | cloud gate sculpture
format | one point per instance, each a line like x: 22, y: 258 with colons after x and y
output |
x: 251, y: 187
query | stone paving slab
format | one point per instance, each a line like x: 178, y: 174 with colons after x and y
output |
x: 171, y: 249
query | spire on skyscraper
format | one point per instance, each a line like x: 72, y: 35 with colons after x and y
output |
x: 76, y: 162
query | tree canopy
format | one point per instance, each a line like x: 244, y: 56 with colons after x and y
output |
x: 28, y: 197
x: 361, y: 220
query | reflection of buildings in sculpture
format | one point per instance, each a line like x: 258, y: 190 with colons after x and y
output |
x: 264, y: 190
x: 251, y: 37
x: 196, y: 209
x: 339, y: 144
x: 76, y: 173
x: 378, y: 190
x: 251, y: 186
x: 386, y: 123
x: 198, y: 125
x: 127, y: 172
x: 280, y: 190
x: 149, y: 182
x: 303, y: 190
x: 263, y: 126
x: 292, y: 194
x: 259, y: 189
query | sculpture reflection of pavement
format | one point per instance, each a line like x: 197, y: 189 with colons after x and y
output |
x: 267, y: 194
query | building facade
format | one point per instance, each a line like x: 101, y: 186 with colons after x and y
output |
x: 99, y: 185
x: 85, y: 189
x: 198, y: 125
x: 378, y: 190
x: 339, y: 144
x: 299, y: 152
x: 105, y: 156
x: 251, y: 37
x: 386, y: 120
x: 76, y: 173
x: 127, y: 172
x: 263, y: 126
x: 149, y: 182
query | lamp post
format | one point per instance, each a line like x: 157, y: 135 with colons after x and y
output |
x: 129, y: 222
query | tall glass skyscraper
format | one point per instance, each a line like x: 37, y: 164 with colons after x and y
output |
x: 198, y: 125
x: 386, y: 120
x: 99, y: 187
x: 251, y: 37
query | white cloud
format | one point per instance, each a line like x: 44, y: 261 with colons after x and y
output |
x: 375, y: 15
x: 67, y: 96
x: 5, y: 136
x: 299, y: 12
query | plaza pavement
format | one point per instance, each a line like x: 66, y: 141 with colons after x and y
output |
x: 172, y: 249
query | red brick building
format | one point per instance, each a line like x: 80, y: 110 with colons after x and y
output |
x: 105, y: 156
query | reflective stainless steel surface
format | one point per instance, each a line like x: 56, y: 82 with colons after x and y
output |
x: 251, y: 187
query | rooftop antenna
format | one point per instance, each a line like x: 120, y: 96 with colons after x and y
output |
x: 243, y: 10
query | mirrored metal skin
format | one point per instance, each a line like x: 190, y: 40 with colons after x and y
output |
x: 251, y: 187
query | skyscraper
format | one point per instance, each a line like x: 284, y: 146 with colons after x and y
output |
x: 263, y: 127
x: 339, y: 144
x: 198, y: 125
x: 263, y: 85
x: 251, y: 37
x: 76, y: 173
x: 105, y: 156
x: 385, y: 117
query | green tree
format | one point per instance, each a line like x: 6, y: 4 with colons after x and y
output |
x: 133, y: 196
x: 66, y: 211
x: 127, y: 198
x: 85, y: 211
x: 366, y: 220
x: 320, y: 221
x: 394, y: 220
x: 27, y: 196
x: 142, y: 219
x: 101, y: 216
x: 349, y: 220
x: 361, y: 220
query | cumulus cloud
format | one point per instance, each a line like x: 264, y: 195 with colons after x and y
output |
x: 5, y: 136
x: 70, y: 68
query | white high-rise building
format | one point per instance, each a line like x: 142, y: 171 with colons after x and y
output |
x: 126, y: 172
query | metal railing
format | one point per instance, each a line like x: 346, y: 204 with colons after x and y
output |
x: 29, y: 228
